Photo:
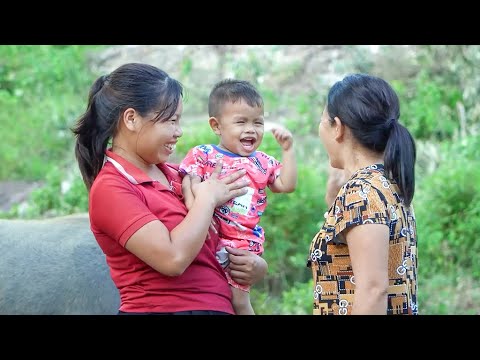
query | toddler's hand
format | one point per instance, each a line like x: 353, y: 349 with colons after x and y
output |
x: 284, y: 137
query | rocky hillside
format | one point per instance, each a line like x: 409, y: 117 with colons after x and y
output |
x: 286, y: 70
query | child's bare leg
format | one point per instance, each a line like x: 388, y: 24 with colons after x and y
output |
x: 241, y: 302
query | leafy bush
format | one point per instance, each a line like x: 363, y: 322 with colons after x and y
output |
x: 297, y: 299
x: 62, y: 193
x: 195, y: 132
x: 447, y: 293
x: 447, y: 207
x: 44, y: 88
x: 428, y: 109
x: 39, y: 97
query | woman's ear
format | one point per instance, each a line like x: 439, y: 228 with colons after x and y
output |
x: 339, y: 129
x: 215, y: 125
x: 128, y: 119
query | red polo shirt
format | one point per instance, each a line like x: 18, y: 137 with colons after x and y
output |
x: 123, y: 199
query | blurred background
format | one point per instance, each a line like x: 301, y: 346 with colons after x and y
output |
x: 43, y: 89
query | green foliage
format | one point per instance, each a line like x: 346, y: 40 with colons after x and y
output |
x: 291, y: 220
x: 448, y: 292
x: 455, y: 67
x: 297, y: 299
x: 307, y: 118
x: 249, y: 67
x: 427, y: 104
x: 39, y: 87
x: 63, y: 193
x: 447, y: 207
x: 186, y: 66
x: 194, y: 133
x: 75, y: 199
x: 44, y: 88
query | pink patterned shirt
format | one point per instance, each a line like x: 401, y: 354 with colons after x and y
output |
x: 240, y: 216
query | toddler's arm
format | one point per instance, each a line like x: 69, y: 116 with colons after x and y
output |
x: 287, y: 181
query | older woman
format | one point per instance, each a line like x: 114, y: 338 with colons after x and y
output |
x: 364, y: 258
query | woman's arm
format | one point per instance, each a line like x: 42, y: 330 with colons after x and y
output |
x: 368, y: 247
x: 189, y: 197
x: 171, y: 253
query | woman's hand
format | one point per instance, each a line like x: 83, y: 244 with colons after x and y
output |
x: 220, y: 189
x: 246, y: 267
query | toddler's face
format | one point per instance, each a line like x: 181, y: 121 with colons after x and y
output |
x: 241, y: 128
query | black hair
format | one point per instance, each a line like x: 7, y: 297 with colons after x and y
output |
x: 142, y: 87
x: 231, y: 90
x: 369, y: 106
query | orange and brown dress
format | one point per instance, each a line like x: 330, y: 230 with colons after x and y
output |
x: 368, y: 197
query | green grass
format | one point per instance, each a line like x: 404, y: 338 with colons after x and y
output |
x: 456, y: 293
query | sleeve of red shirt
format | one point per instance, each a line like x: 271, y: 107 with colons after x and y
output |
x: 118, y: 209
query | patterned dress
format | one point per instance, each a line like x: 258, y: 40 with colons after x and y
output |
x: 369, y: 197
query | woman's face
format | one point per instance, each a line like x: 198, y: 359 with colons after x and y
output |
x: 157, y: 140
x: 327, y: 133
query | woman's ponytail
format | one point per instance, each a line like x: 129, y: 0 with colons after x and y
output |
x: 399, y: 160
x: 90, y: 142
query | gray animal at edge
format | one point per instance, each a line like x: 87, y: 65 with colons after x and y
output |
x: 54, y: 267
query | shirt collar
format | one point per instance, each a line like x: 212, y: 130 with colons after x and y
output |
x: 126, y: 168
